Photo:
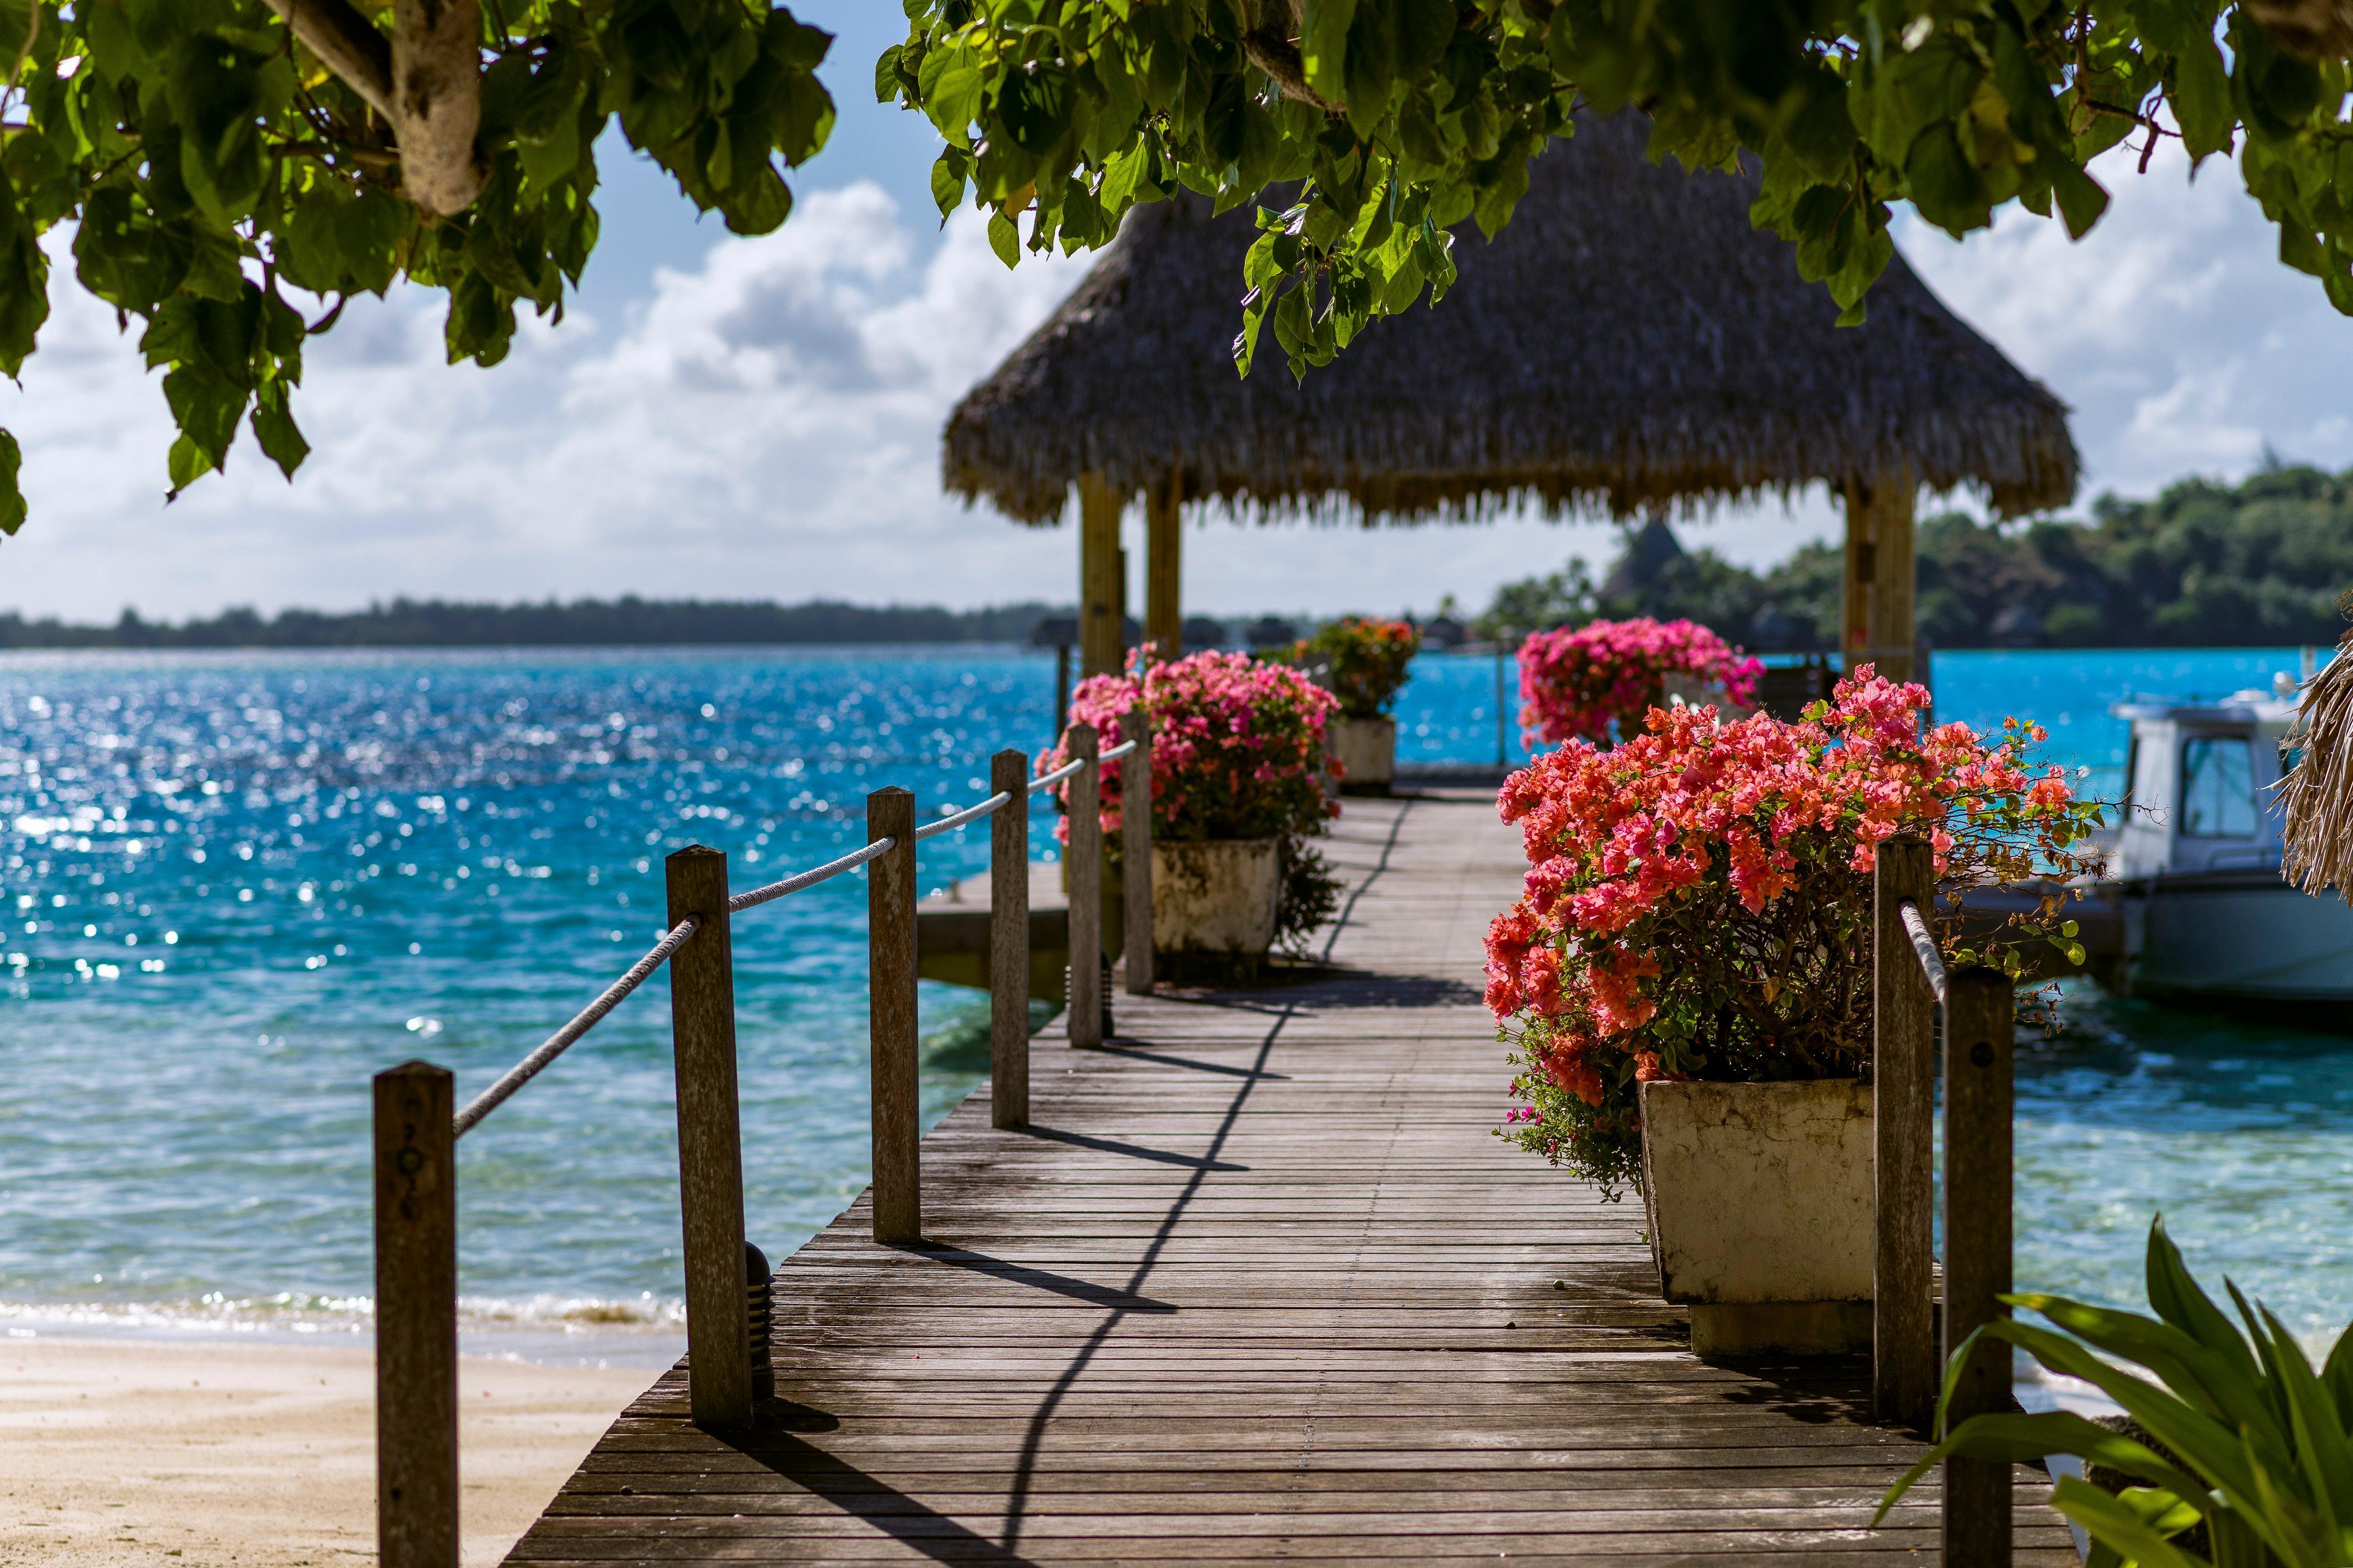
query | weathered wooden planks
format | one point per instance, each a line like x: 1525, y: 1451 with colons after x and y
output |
x: 1256, y: 1285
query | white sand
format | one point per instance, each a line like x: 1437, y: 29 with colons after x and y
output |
x: 262, y: 1454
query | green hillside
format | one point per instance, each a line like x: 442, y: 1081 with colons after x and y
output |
x: 2204, y: 564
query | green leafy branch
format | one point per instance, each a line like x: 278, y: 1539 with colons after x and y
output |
x: 1388, y: 122
x: 225, y: 160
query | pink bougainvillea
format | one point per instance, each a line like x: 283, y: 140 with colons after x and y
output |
x: 1697, y: 901
x: 1574, y: 683
x: 1237, y: 753
x: 1237, y: 746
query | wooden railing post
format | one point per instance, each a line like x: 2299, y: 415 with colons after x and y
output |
x: 1086, y: 1001
x: 890, y: 989
x: 1009, y: 941
x: 1135, y: 848
x: 1978, y: 1031
x: 416, y: 1318
x: 1904, y: 1107
x: 710, y: 1142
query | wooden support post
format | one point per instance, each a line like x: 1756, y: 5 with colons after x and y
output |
x: 1877, y: 620
x: 1163, y: 568
x: 1061, y: 685
x: 1009, y: 941
x: 890, y: 989
x: 1101, y: 592
x: 1904, y: 1096
x: 1085, y: 867
x: 1135, y: 848
x: 710, y: 1142
x: 1978, y: 1034
x: 416, y: 1318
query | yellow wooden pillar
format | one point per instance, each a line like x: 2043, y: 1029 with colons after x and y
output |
x: 1164, y: 567
x: 1876, y: 621
x: 1103, y: 588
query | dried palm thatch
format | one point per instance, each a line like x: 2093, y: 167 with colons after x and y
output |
x: 2319, y: 853
x: 1630, y: 341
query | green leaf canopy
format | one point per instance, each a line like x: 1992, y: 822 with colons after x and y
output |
x: 220, y: 154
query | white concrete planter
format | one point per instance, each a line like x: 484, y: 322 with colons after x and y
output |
x: 1365, y: 749
x: 1759, y: 1197
x: 1214, y: 895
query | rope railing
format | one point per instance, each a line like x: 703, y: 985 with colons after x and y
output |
x: 1047, y: 781
x: 556, y: 1043
x: 969, y: 813
x: 810, y: 877
x: 727, y: 1282
x: 1923, y: 945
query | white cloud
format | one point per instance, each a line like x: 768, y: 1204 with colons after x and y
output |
x: 765, y: 422
x: 2182, y: 342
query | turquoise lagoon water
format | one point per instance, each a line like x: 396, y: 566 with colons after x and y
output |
x: 234, y: 885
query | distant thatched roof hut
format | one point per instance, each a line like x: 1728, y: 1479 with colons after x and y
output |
x: 1630, y: 341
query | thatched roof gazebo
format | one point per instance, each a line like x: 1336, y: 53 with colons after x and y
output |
x: 1629, y: 342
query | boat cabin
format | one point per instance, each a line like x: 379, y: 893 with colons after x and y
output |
x: 2199, y: 793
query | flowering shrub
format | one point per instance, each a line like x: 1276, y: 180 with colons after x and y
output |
x: 1698, y: 899
x: 1574, y: 683
x: 1237, y: 753
x: 1370, y: 659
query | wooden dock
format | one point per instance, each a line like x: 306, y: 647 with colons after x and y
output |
x: 1258, y: 1285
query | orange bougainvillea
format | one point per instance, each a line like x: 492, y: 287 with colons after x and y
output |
x: 1698, y: 900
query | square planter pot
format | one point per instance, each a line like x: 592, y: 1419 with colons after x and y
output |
x: 1214, y: 896
x: 1365, y: 749
x: 1761, y: 1211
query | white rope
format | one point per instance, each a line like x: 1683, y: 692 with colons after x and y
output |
x: 1045, y: 781
x: 1923, y: 945
x: 523, y: 1071
x: 556, y: 1043
x: 969, y: 813
x: 810, y: 877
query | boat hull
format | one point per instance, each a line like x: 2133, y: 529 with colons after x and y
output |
x: 2237, y: 936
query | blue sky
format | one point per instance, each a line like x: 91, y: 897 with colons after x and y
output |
x: 737, y: 419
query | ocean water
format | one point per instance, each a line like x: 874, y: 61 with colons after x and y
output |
x: 233, y: 886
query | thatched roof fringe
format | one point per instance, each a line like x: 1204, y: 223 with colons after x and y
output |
x: 1630, y: 341
x: 2318, y: 793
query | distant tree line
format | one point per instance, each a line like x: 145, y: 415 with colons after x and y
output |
x: 2261, y: 564
x: 437, y: 623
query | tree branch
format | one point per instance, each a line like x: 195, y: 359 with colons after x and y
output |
x: 437, y: 76
x: 1272, y: 45
x: 425, y: 81
x: 346, y: 43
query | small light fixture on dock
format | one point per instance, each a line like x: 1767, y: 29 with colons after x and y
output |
x: 759, y: 1291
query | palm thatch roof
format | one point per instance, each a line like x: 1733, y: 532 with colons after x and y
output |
x: 1629, y: 341
x: 2318, y: 855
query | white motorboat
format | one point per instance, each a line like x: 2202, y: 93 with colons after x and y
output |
x: 2194, y: 874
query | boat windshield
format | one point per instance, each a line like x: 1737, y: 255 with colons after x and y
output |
x: 2218, y: 787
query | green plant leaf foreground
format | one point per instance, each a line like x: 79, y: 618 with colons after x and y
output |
x: 211, y: 162
x: 2264, y: 1457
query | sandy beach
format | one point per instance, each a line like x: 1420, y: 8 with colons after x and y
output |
x: 173, y: 1454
